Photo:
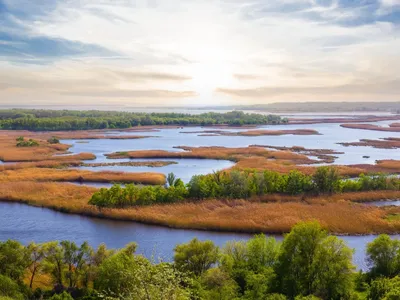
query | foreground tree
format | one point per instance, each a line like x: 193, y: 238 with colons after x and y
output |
x: 13, y: 259
x: 383, y: 256
x: 311, y: 262
x: 196, y: 256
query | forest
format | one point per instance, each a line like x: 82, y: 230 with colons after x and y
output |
x: 241, y: 185
x: 308, y: 264
x: 53, y: 120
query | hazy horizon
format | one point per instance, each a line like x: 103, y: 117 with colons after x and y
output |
x: 196, y: 53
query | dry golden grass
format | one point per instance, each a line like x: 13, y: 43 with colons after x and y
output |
x: 151, y: 164
x: 386, y: 143
x: 364, y: 196
x: 389, y: 164
x: 371, y: 127
x: 41, y: 164
x: 257, y: 132
x: 338, y: 216
x: 50, y: 174
x: 233, y: 154
x: 9, y: 152
x: 274, y: 132
x: 357, y: 119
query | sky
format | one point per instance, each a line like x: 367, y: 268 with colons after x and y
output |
x: 198, y: 52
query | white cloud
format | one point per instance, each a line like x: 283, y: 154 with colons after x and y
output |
x: 201, y: 44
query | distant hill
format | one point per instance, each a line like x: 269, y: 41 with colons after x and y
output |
x: 296, y: 107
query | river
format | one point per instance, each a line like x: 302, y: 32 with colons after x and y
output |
x: 26, y: 223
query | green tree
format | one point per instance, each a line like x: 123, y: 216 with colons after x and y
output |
x: 384, y: 288
x: 262, y: 252
x: 63, y: 296
x: 9, y: 288
x: 196, y: 256
x: 218, y: 285
x: 37, y: 254
x: 54, y: 262
x: 383, y: 256
x: 309, y: 262
x: 13, y: 259
x: 333, y: 269
x: 326, y: 180
x: 171, y: 178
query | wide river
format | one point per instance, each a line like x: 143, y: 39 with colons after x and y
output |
x: 25, y: 223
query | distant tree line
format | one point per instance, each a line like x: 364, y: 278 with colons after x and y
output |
x: 52, y: 120
x: 241, y: 185
x: 307, y: 264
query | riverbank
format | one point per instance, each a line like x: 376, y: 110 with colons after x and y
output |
x: 72, y: 175
x: 391, y: 128
x: 384, y: 143
x: 269, y: 214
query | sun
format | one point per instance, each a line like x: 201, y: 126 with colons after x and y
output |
x: 207, y: 77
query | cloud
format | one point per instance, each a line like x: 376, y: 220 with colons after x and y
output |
x: 246, y: 49
x: 246, y: 76
x: 383, y: 88
x: 149, y: 76
x: 132, y: 93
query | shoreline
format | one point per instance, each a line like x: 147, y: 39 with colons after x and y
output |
x: 156, y: 223
x: 275, y: 214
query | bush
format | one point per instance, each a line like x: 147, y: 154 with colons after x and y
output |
x: 9, y: 288
x: 53, y: 140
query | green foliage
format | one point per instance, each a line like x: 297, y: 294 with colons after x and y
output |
x: 383, y: 256
x: 196, y: 256
x: 53, y: 120
x: 308, y: 264
x: 127, y: 276
x: 385, y: 288
x: 311, y: 262
x: 9, y: 288
x: 218, y: 285
x: 326, y: 180
x: 21, y: 142
x: 13, y: 259
x: 63, y: 296
x: 238, y: 185
x: 53, y: 140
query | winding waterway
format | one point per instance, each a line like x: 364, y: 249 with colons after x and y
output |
x: 26, y: 223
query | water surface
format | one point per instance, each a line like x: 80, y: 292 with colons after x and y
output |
x: 26, y: 223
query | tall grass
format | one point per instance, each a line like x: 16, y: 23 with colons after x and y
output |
x: 233, y: 154
x: 335, y: 214
x: 371, y: 127
x: 51, y: 174
x: 9, y: 152
x: 273, y: 132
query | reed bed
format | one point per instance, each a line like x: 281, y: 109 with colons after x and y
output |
x: 274, y: 132
x: 343, y: 120
x: 9, y: 152
x: 385, y: 143
x: 40, y: 154
x: 67, y: 175
x: 336, y: 215
x: 233, y: 154
x: 257, y: 132
x: 41, y: 164
x: 371, y: 127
